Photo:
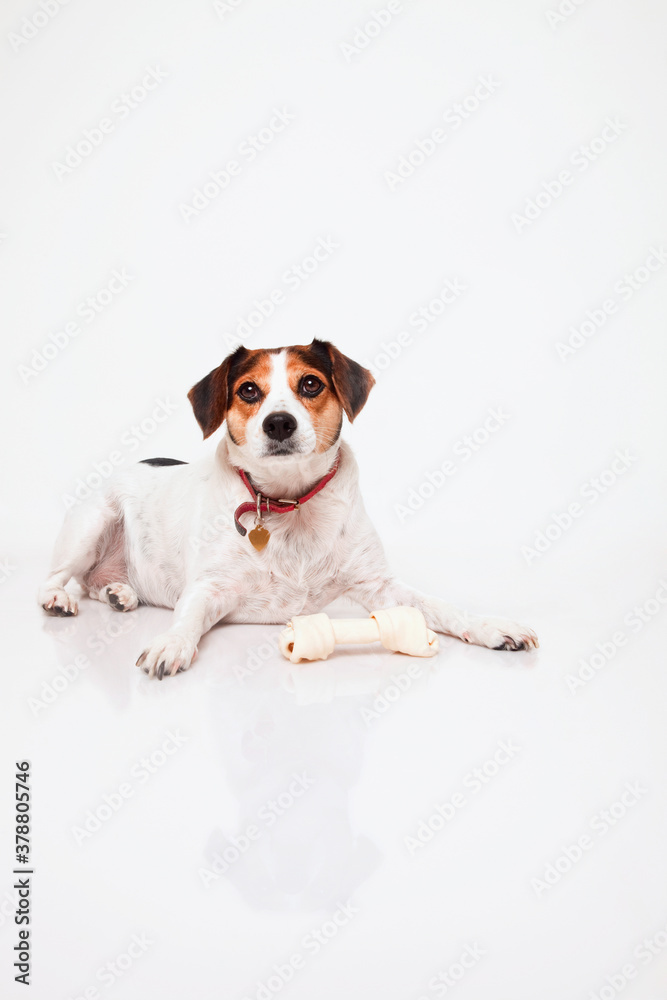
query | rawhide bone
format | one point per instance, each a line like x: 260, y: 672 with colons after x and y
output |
x: 313, y: 637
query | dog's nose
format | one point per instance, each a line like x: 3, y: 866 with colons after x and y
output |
x: 279, y: 426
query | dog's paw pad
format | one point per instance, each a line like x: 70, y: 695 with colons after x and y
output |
x: 510, y: 643
x: 121, y: 597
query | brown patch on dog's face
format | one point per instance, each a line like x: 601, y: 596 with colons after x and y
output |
x: 310, y: 379
x: 351, y: 382
x: 249, y: 385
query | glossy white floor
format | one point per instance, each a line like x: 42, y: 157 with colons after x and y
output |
x: 372, y: 826
x: 469, y: 198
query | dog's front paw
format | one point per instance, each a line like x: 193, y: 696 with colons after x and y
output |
x: 58, y: 603
x: 168, y: 654
x: 500, y: 633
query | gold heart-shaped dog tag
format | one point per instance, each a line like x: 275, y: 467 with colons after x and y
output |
x: 259, y: 536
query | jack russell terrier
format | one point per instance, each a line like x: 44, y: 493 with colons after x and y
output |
x: 293, y: 535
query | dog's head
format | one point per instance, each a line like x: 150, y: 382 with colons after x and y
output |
x: 285, y: 401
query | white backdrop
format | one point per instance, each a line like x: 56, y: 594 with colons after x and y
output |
x: 484, y: 184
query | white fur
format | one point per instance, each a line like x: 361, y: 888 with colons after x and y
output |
x: 182, y: 551
x: 280, y: 399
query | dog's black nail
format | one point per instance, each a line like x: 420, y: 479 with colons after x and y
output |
x: 511, y: 644
x: 160, y: 671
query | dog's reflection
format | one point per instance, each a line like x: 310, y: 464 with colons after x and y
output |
x: 288, y: 745
x: 99, y: 646
x: 291, y: 741
x: 92, y: 649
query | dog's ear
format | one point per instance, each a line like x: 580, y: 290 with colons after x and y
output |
x: 210, y: 397
x: 352, y: 381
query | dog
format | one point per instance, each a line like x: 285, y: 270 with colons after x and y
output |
x: 181, y: 535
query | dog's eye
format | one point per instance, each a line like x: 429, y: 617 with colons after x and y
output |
x: 249, y: 392
x: 311, y: 385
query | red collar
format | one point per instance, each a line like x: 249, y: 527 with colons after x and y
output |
x: 261, y: 504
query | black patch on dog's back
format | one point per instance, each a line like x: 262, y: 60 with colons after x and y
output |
x: 162, y: 461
